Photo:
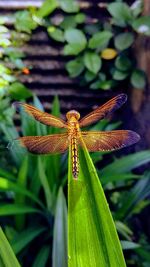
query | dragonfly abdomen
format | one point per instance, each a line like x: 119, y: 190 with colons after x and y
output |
x: 75, y: 161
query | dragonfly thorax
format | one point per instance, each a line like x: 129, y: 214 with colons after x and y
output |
x: 73, y: 115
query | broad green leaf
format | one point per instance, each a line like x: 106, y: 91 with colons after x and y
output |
x: 124, y: 40
x: 80, y: 18
x: 75, y: 67
x: 121, y: 12
x: 68, y: 22
x: 25, y: 237
x: 42, y: 257
x: 6, y: 185
x: 56, y: 34
x: 7, y: 256
x: 119, y: 75
x: 142, y: 25
x: 18, y: 91
x: 123, y: 63
x: 100, y: 40
x: 77, y: 41
x: 115, y: 177
x: 69, y: 6
x: 126, y: 163
x: 24, y: 21
x: 12, y: 209
x: 92, y: 62
x: 60, y: 232
x: 89, y: 76
x: 92, y: 239
x: 138, y: 79
x: 47, y: 8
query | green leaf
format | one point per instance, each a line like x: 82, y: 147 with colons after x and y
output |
x: 124, y: 40
x: 119, y: 75
x: 24, y: 21
x: 89, y: 76
x: 121, y: 12
x: 142, y: 25
x: 92, y: 62
x: 68, y: 22
x: 77, y: 41
x: 114, y: 177
x: 129, y: 245
x: 138, y: 79
x: 44, y: 182
x: 7, y: 256
x: 6, y: 185
x: 12, y: 209
x: 60, y: 232
x: 20, y: 198
x: 100, y: 40
x: 69, y: 6
x: 42, y: 257
x: 123, y: 63
x: 137, y: 8
x: 18, y: 91
x: 127, y: 163
x: 56, y: 34
x: 80, y: 18
x: 47, y: 8
x: 92, y: 236
x: 25, y: 237
x: 75, y: 67
x: 104, y: 85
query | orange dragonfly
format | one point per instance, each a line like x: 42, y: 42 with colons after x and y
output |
x: 93, y: 140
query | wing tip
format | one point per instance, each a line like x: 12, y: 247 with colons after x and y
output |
x: 122, y: 97
x: 133, y: 138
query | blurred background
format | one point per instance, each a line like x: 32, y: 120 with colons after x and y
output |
x: 62, y: 55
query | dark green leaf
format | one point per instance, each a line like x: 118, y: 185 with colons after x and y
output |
x: 100, y: 40
x: 137, y: 8
x: 25, y: 237
x: 80, y: 18
x: 92, y: 62
x: 12, y: 209
x: 124, y: 40
x: 138, y: 79
x: 127, y: 163
x: 42, y: 257
x: 60, y: 232
x: 123, y: 63
x: 68, y: 22
x: 89, y: 76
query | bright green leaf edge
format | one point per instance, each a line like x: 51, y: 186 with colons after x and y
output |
x: 7, y: 256
x: 92, y: 236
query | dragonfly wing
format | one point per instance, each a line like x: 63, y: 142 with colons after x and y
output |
x: 104, y: 110
x: 54, y: 143
x: 40, y: 116
x: 109, y: 140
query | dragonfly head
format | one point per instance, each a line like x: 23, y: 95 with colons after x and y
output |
x: 73, y: 114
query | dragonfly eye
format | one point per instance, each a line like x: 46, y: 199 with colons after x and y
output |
x: 73, y: 113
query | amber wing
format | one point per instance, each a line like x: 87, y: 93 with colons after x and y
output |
x: 108, y: 141
x: 104, y: 110
x: 40, y: 116
x: 54, y: 143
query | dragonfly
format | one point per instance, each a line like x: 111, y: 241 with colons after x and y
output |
x: 73, y: 137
